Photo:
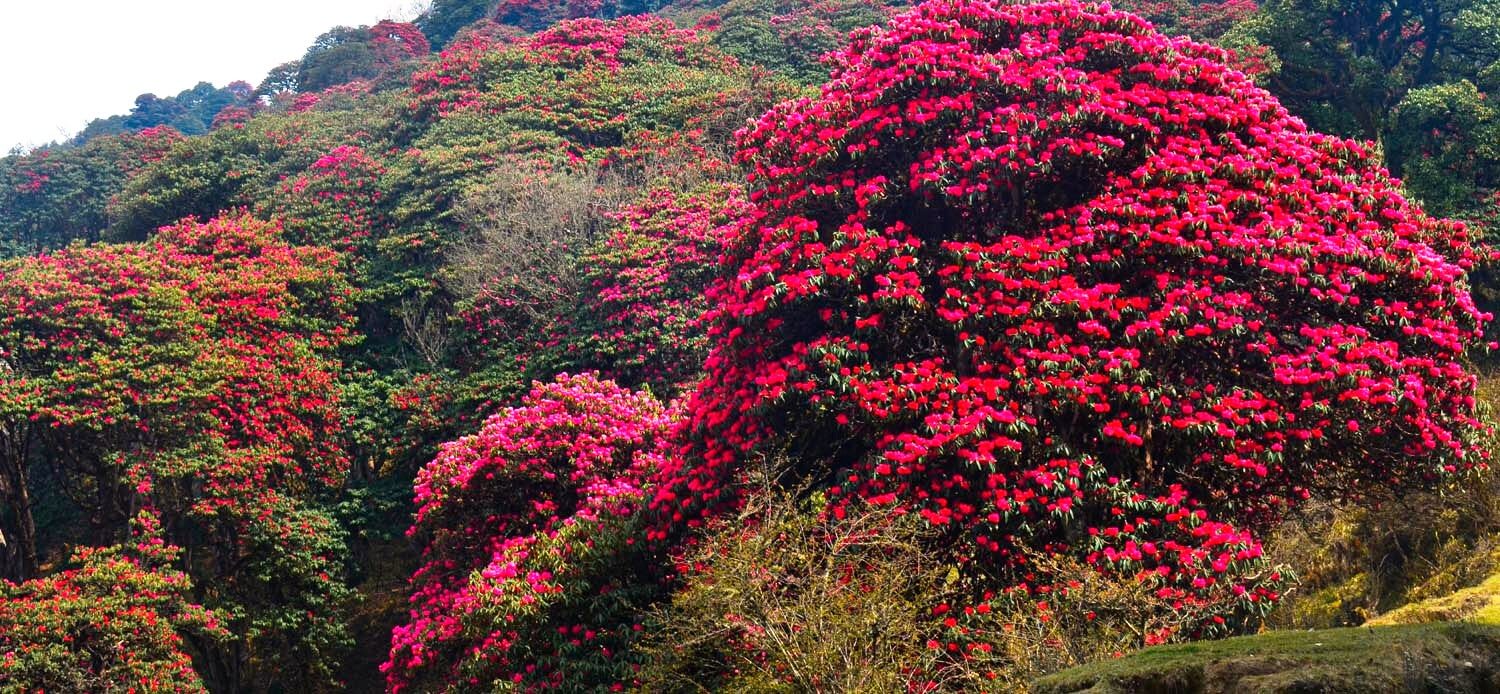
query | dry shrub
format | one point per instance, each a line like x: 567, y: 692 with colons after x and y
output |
x: 424, y: 325
x: 1092, y: 617
x: 525, y: 228
x: 781, y: 598
x: 1359, y: 561
x: 527, y: 224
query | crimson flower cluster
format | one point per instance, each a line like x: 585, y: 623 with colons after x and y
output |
x: 1061, y: 284
x: 460, y: 78
x: 334, y: 202
x: 193, y: 374
x: 397, y: 42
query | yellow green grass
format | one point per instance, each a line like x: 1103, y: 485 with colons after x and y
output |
x: 1440, y: 657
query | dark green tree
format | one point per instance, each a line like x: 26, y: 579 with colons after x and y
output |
x: 1346, y: 66
x: 282, y: 79
x: 1417, y: 76
x: 341, y: 55
x: 445, y: 18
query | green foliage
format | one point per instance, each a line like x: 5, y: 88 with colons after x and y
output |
x: 52, y: 197
x: 1345, y: 66
x: 234, y: 167
x: 528, y: 205
x: 790, y: 36
x: 1414, y: 659
x: 1446, y: 138
x: 1419, y: 77
x: 191, y: 112
x: 343, y: 54
x: 445, y: 18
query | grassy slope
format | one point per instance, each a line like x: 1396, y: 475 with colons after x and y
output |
x: 1442, y: 657
x: 1480, y: 604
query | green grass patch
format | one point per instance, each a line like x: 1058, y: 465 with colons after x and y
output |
x: 1443, y: 657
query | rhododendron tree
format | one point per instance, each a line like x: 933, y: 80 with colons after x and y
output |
x: 336, y: 202
x: 1060, y: 284
x: 603, y: 78
x: 535, y: 15
x: 530, y: 564
x: 193, y: 374
x: 113, y: 623
x: 1204, y: 20
x: 232, y: 167
x: 396, y: 42
x: 445, y: 18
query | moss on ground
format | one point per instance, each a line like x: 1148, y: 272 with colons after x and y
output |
x: 1479, y: 604
x: 1446, y: 657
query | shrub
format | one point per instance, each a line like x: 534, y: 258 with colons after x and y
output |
x: 1060, y: 284
x: 780, y: 597
x: 530, y: 564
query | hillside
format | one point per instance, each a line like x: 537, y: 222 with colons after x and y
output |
x: 769, y: 346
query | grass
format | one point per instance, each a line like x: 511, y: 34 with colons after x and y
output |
x: 1442, y: 657
x: 1479, y: 604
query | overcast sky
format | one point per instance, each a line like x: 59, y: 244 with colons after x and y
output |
x: 66, y: 62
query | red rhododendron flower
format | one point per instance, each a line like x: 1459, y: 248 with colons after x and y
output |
x: 1060, y: 283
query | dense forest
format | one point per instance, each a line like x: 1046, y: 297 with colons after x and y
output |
x: 770, y: 346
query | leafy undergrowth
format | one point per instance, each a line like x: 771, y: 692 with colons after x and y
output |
x: 1443, y: 657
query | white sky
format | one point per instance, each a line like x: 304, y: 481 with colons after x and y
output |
x: 66, y: 62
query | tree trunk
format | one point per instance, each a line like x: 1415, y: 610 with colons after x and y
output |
x: 17, y: 524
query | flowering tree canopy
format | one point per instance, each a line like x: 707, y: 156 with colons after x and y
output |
x: 1062, y: 284
x: 192, y: 374
x: 641, y: 320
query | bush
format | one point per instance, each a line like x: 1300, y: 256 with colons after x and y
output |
x: 532, y: 576
x: 113, y: 623
x: 1061, y: 285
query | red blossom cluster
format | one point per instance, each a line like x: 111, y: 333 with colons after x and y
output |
x: 460, y: 78
x: 397, y: 42
x: 334, y: 202
x: 1062, y: 284
x: 231, y: 117
x: 518, y: 524
x: 192, y: 374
